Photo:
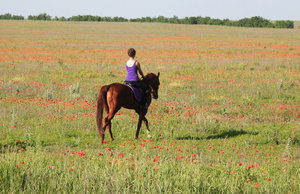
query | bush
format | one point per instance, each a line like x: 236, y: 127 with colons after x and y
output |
x: 8, y: 16
x: 284, y: 24
x: 42, y: 16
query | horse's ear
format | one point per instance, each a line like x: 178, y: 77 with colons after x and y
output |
x: 158, y: 74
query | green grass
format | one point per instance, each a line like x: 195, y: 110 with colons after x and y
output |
x: 226, y: 120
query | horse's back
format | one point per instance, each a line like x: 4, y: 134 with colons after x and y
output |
x: 118, y: 86
x: 122, y: 94
x: 118, y: 89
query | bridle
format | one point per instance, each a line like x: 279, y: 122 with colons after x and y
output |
x: 153, y: 91
x: 155, y: 95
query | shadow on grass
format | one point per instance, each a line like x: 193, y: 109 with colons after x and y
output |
x: 225, y: 134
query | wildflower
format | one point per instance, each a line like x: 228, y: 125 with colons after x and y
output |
x: 240, y: 164
x: 179, y: 157
x: 256, y: 185
x: 71, y: 169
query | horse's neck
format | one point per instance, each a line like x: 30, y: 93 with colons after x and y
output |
x: 147, y: 80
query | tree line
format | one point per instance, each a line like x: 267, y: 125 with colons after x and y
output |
x: 255, y: 21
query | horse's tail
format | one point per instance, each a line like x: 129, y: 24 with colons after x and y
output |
x: 101, y: 101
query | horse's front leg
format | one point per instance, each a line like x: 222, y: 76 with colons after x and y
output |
x: 141, y: 118
x: 148, y: 130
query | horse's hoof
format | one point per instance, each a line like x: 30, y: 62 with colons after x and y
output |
x: 149, y: 136
x: 111, y: 139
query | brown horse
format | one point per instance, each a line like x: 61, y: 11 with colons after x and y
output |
x: 114, y: 96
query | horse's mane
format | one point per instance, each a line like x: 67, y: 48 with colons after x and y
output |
x: 149, y: 77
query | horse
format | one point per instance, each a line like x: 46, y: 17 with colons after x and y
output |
x: 115, y: 96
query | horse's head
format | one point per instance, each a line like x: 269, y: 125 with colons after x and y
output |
x: 153, y: 81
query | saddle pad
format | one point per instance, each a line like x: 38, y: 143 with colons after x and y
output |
x: 136, y: 91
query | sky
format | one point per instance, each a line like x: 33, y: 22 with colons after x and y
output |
x: 231, y: 9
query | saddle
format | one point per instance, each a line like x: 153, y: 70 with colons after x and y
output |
x: 139, y: 93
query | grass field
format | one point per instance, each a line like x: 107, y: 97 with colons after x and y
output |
x: 226, y: 120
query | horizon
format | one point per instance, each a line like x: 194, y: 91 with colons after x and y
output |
x: 231, y: 9
x: 52, y: 17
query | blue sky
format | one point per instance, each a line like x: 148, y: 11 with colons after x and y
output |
x: 232, y: 9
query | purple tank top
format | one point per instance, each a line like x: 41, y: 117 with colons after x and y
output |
x: 131, y: 73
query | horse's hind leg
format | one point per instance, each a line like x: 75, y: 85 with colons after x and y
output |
x: 108, y: 118
x: 110, y: 133
x: 148, y: 130
x: 105, y: 122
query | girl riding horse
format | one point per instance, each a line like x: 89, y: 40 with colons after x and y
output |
x: 115, y: 96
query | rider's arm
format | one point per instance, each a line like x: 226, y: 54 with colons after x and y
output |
x: 139, y: 69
